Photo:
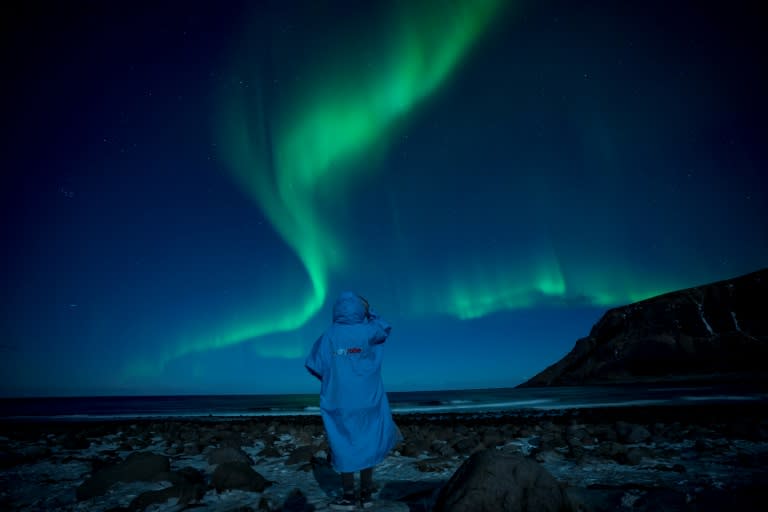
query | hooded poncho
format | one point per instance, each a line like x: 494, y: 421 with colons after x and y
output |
x: 355, y: 410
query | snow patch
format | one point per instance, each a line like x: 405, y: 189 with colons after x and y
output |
x: 735, y: 322
x: 701, y: 315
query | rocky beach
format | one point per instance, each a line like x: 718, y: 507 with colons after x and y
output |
x: 700, y: 457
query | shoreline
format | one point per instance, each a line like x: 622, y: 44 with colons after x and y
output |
x: 691, y: 411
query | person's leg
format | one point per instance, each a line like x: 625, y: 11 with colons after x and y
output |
x: 348, y: 483
x: 366, y: 479
x: 366, y: 487
x: 347, y: 500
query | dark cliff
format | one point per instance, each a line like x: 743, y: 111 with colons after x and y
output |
x: 708, y: 332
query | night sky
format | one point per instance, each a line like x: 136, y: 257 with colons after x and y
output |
x: 187, y: 186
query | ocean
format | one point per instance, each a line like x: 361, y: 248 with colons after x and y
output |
x: 408, y: 402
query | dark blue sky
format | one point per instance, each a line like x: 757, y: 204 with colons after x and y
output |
x: 189, y: 186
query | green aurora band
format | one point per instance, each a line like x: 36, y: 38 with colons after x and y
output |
x: 294, y: 163
x: 532, y: 275
x: 296, y: 157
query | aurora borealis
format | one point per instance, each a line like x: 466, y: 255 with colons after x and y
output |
x: 192, y: 185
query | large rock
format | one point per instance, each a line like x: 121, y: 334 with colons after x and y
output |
x: 715, y: 331
x: 238, y: 475
x: 141, y: 466
x: 228, y: 454
x: 148, y: 498
x: 300, y: 455
x: 496, y: 481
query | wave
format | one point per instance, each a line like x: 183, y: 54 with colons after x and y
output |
x: 436, y: 403
x: 720, y: 397
x: 465, y: 405
x: 594, y: 405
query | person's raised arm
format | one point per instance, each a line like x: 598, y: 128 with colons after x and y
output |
x: 380, y: 328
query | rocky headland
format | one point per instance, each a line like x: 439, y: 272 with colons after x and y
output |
x: 711, y: 333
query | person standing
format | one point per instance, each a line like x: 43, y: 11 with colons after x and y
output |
x: 353, y: 404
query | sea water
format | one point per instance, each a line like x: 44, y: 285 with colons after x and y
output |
x: 404, y: 402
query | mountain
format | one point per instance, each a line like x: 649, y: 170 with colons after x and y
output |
x: 706, y: 333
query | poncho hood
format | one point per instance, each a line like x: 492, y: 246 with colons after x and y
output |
x: 348, y: 309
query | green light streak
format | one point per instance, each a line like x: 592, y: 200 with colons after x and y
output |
x: 339, y: 121
x: 614, y: 285
x: 481, y: 290
x: 197, y: 344
x: 282, y: 156
x: 489, y: 288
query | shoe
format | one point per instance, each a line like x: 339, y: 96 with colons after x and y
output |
x: 366, y: 500
x: 345, y: 502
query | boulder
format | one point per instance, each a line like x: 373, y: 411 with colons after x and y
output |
x: 498, y: 481
x: 441, y: 448
x: 612, y: 450
x: 238, y: 475
x: 414, y: 447
x: 141, y: 466
x: 299, y: 455
x: 187, y: 486
x: 228, y: 454
x: 270, y: 452
x: 466, y: 445
x: 75, y: 441
x: 148, y: 498
x: 296, y: 501
x: 435, y: 464
x: 631, y: 433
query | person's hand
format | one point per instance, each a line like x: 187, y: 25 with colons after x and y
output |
x: 365, y: 304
